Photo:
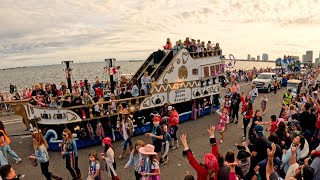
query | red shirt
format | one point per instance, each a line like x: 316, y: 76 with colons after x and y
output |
x: 273, y: 126
x: 202, y: 171
x: 249, y: 114
x: 174, y: 118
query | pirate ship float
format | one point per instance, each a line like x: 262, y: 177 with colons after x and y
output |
x: 185, y: 80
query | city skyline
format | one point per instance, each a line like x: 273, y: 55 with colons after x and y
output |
x: 37, y: 33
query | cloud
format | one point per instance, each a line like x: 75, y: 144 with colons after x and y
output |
x: 34, y: 32
x: 288, y: 44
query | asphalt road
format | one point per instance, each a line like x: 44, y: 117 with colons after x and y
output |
x: 198, y: 140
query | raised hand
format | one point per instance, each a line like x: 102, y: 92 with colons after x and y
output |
x: 183, y: 139
x: 211, y: 130
x: 256, y: 169
x: 294, y: 149
x: 272, y: 151
x: 244, y: 144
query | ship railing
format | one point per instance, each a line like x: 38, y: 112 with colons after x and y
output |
x: 207, y: 53
x: 106, y: 108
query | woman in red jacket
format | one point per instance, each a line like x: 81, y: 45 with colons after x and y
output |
x: 208, y: 170
x: 173, y: 122
x: 247, y: 116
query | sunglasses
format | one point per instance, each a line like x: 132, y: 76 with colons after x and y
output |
x: 64, y: 135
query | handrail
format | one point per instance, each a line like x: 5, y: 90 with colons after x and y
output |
x: 141, y: 74
x: 77, y: 107
x: 206, y: 53
x: 142, y: 65
x: 163, y: 59
x: 15, y: 101
x: 107, y: 102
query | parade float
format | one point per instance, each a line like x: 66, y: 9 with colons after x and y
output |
x: 288, y: 67
x: 187, y: 80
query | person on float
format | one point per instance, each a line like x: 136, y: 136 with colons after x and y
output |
x: 145, y: 83
x: 70, y: 153
x: 173, y: 122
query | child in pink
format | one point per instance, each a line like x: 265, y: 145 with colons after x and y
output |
x: 224, y: 119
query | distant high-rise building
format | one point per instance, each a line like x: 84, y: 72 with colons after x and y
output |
x: 265, y: 57
x: 258, y: 58
x: 317, y: 61
x: 249, y: 57
x: 309, y: 56
x: 304, y: 58
x: 253, y: 59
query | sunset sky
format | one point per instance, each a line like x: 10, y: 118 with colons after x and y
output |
x: 36, y: 32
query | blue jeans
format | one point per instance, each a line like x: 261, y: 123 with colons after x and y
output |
x: 253, y: 98
x: 126, y: 142
x: 3, y: 160
x: 6, y: 149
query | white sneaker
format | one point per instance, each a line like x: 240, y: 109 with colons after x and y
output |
x: 18, y: 161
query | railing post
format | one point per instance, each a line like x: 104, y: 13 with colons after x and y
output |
x: 129, y: 103
x: 110, y: 109
x: 90, y: 112
x: 137, y: 106
x: 101, y: 110
x: 119, y: 106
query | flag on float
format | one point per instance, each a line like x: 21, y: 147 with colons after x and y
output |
x: 113, y: 71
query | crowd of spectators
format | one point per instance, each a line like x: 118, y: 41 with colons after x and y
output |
x: 196, y: 48
x: 282, y: 147
x: 83, y: 93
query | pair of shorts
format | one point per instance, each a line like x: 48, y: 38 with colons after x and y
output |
x: 222, y: 129
x: 126, y: 142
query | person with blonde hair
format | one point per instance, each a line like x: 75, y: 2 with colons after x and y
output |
x: 135, y: 158
x: 41, y: 155
x: 70, y: 153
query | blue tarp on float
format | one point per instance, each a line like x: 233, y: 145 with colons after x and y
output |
x: 51, y: 135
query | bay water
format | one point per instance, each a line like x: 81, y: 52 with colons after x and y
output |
x: 28, y: 76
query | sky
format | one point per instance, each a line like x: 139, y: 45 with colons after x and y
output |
x: 39, y: 32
